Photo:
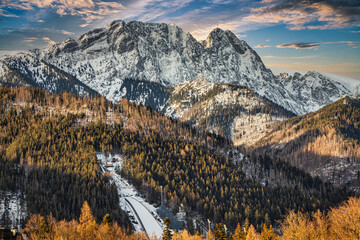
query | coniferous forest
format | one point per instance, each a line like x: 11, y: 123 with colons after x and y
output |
x: 48, y: 146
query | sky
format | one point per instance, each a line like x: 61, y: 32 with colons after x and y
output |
x: 319, y: 35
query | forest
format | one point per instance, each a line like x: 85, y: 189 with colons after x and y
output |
x: 48, y: 149
x: 325, y: 143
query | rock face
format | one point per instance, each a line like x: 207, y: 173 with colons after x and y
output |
x: 160, y: 56
x: 313, y: 90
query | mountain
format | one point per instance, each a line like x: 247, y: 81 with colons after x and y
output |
x: 229, y: 110
x: 325, y: 143
x: 25, y: 70
x: 104, y: 58
x: 314, y: 90
x: 144, y: 61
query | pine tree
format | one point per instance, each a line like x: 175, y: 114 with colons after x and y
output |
x: 239, y: 233
x: 268, y: 233
x: 87, y: 226
x: 220, y: 233
x: 252, y: 234
x: 167, y: 231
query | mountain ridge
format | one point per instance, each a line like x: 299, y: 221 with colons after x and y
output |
x: 324, y: 143
x: 160, y: 53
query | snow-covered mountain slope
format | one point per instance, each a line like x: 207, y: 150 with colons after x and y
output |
x: 146, y: 93
x: 229, y: 110
x: 314, y: 90
x: 157, y: 53
x: 27, y: 70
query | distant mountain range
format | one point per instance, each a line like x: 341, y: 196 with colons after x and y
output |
x: 143, y: 61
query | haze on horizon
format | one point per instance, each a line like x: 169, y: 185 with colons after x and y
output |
x: 302, y: 35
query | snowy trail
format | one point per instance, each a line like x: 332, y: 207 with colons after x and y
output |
x: 137, y: 216
x: 147, y: 219
x: 142, y: 214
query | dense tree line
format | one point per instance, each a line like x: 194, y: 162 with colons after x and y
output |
x: 342, y: 222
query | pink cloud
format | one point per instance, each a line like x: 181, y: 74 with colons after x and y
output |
x: 302, y: 14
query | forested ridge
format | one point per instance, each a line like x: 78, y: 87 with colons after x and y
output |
x: 325, y: 143
x: 48, y: 145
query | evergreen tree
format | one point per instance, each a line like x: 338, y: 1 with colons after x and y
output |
x: 268, y: 233
x: 87, y: 227
x: 220, y: 233
x: 252, y: 234
x: 167, y: 231
x: 239, y: 233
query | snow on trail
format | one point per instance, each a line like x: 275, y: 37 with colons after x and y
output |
x: 147, y: 219
x: 142, y: 214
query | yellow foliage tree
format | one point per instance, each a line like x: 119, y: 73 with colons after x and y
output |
x: 345, y: 220
x: 36, y: 227
x: 87, y: 227
x: 252, y: 234
x: 239, y: 233
x: 268, y: 233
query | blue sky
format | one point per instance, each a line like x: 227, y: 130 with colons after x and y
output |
x: 320, y: 35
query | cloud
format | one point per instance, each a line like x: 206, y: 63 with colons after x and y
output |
x: 88, y: 10
x: 14, y: 39
x: 310, y: 14
x: 262, y: 46
x: 304, y: 45
x: 349, y: 43
x: 5, y: 14
x: 355, y: 31
x: 287, y: 57
x: 240, y: 36
x: 40, y: 21
x: 307, y: 45
x: 30, y: 39
x: 48, y: 41
x: 67, y: 33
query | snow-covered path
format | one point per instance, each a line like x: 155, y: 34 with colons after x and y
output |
x: 147, y: 219
x: 142, y: 214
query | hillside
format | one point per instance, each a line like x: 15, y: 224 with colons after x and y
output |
x: 325, y: 143
x: 49, y: 144
x: 232, y: 111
